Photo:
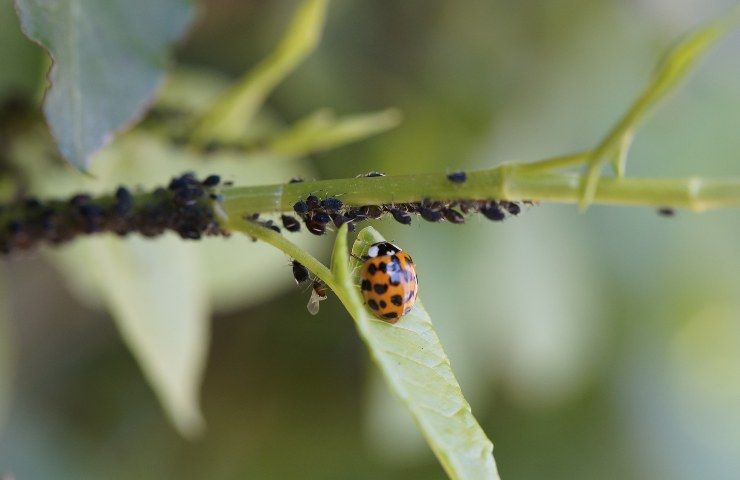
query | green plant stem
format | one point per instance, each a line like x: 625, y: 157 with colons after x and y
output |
x: 507, y: 182
x: 294, y: 251
x: 554, y: 163
x: 286, y: 246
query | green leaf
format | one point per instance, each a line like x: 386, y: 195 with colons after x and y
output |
x: 322, y: 131
x: 670, y: 71
x: 164, y: 322
x: 230, y: 116
x: 411, y: 358
x: 109, y: 58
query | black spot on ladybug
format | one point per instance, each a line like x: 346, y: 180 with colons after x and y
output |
x: 397, y: 300
x: 366, y: 285
x: 382, y: 267
x: 457, y: 177
x: 390, y: 315
x: 380, y: 288
x: 383, y: 304
x: 371, y: 269
x: 372, y: 304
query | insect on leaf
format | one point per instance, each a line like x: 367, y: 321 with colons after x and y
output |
x: 416, y: 368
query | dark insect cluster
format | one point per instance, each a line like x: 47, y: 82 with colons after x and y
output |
x: 319, y: 214
x: 185, y: 206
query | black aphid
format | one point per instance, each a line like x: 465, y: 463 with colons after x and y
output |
x: 457, y: 177
x: 512, y: 207
x: 211, y: 181
x: 290, y: 223
x: 313, y: 202
x: 400, y: 216
x: 453, y: 216
x: 492, y: 212
x: 331, y: 204
x: 317, y: 228
x: 300, y: 273
x: 300, y: 207
x: 322, y: 217
x: 666, y: 212
x: 430, y: 215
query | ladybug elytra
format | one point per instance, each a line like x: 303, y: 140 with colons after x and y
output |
x: 389, y: 283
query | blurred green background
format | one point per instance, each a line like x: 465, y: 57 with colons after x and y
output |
x: 597, y: 345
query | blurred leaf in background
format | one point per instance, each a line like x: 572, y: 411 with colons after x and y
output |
x: 109, y: 59
x: 22, y: 62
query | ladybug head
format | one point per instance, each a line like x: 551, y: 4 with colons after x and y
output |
x: 382, y: 249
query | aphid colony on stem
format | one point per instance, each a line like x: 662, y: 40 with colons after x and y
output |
x: 389, y: 283
x: 185, y: 206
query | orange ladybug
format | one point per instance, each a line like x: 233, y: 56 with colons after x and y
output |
x: 389, y: 283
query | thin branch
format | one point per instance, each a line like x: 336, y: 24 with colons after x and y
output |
x: 506, y: 182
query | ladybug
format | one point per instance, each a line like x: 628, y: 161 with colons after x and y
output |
x: 389, y: 283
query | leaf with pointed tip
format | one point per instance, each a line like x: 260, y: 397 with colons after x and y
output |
x: 411, y: 358
x: 109, y: 58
